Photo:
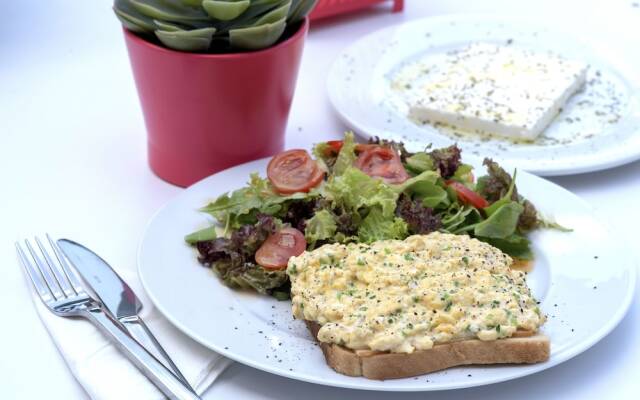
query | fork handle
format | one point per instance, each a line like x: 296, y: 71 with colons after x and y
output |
x: 153, y: 369
x: 141, y: 333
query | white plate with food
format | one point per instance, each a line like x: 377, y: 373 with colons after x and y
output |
x: 408, y: 272
x: 550, y: 99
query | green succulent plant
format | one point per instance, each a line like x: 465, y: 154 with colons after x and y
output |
x: 212, y: 25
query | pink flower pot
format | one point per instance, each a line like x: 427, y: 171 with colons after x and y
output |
x: 208, y: 112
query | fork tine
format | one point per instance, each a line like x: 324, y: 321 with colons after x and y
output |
x: 45, y: 272
x: 68, y: 272
x: 36, y: 278
x: 60, y: 278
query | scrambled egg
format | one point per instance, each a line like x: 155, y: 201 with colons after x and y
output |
x: 402, y: 296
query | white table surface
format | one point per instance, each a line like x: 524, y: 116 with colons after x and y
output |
x: 73, y: 163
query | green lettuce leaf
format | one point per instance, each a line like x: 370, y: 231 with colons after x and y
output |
x: 547, y: 223
x: 463, y: 173
x: 354, y: 190
x: 506, y: 199
x: 377, y: 226
x: 419, y: 162
x: 434, y: 196
x: 251, y: 276
x: 320, y: 150
x: 321, y: 226
x: 202, y: 235
x: 495, y: 185
x: 347, y: 155
x: 426, y: 176
x: 501, y: 223
x: 515, y: 245
x: 324, y: 155
x: 425, y: 187
x: 241, y: 206
x: 459, y: 219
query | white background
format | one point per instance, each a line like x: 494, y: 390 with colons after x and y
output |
x: 73, y: 163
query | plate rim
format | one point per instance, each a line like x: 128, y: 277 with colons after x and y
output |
x: 566, y: 355
x: 578, y: 168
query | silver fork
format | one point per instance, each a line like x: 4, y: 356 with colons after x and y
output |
x: 61, y: 291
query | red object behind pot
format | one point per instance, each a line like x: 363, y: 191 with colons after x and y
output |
x: 208, y: 112
x: 329, y: 8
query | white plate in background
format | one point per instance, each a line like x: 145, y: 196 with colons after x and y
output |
x: 599, y: 128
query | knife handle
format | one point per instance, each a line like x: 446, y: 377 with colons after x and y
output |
x: 138, y: 329
x: 153, y: 369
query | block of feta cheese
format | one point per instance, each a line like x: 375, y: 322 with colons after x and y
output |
x: 497, y: 89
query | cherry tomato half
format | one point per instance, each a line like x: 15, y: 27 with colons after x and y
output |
x: 382, y: 162
x: 275, y: 252
x: 335, y: 145
x: 294, y: 171
x: 467, y: 195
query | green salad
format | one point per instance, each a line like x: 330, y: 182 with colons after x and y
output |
x: 350, y: 192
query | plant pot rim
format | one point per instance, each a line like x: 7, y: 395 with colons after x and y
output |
x: 302, y: 29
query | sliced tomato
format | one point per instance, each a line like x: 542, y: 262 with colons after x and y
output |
x: 361, y: 147
x: 381, y: 162
x: 275, y: 252
x: 294, y: 171
x: 335, y: 145
x: 467, y: 195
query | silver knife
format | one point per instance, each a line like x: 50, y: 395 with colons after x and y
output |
x: 117, y: 297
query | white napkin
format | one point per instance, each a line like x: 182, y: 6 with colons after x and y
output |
x: 106, y: 374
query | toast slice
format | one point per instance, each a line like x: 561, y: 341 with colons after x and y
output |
x: 524, y: 348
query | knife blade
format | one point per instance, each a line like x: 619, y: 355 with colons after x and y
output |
x: 118, y: 298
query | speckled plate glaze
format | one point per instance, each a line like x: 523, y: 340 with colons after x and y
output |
x: 583, y: 279
x: 598, y: 128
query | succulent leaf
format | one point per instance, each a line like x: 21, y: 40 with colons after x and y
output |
x: 193, y: 40
x: 212, y: 25
x: 163, y: 10
x: 132, y: 23
x: 193, y: 3
x: 225, y: 10
x: 299, y: 9
x: 274, y: 15
x: 269, y: 3
x: 257, y: 37
x: 131, y: 18
x: 250, y: 16
x: 167, y: 27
